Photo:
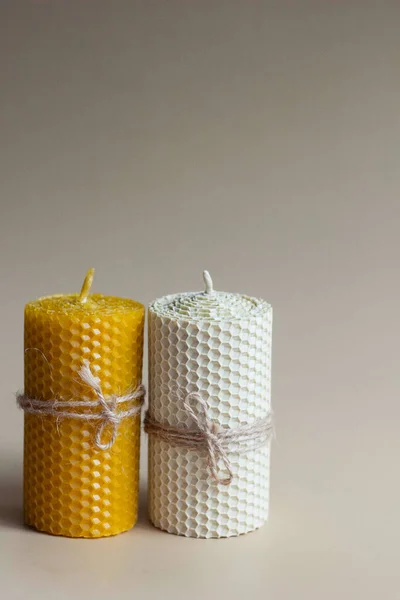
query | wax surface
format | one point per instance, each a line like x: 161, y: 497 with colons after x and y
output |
x: 70, y: 487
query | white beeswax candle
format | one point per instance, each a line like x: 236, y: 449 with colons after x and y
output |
x: 219, y: 345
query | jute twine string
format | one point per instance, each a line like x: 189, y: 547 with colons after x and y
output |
x: 108, y: 415
x: 210, y: 437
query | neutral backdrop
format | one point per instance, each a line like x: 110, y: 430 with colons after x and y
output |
x: 259, y: 140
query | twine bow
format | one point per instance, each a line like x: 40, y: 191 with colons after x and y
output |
x: 209, y: 437
x: 108, y: 416
x: 209, y: 432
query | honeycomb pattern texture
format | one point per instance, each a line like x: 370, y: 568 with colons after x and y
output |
x: 219, y: 345
x: 70, y: 487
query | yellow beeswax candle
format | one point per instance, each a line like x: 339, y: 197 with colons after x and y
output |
x: 71, y: 487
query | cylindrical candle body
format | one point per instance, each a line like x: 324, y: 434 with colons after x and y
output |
x: 220, y: 346
x: 71, y: 487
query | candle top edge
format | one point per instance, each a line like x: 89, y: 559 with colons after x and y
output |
x: 202, y: 306
x: 96, y: 303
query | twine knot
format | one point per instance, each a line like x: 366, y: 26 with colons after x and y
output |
x: 208, y: 436
x: 109, y: 414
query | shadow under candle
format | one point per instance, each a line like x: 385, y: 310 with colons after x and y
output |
x: 11, y: 510
x: 143, y: 518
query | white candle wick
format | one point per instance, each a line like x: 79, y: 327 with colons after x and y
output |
x: 208, y: 282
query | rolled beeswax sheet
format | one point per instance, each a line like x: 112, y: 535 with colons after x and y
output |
x: 219, y: 345
x: 72, y: 488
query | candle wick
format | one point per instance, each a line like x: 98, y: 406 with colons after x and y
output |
x: 208, y: 282
x: 87, y: 284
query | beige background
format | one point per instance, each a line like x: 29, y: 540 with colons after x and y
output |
x: 259, y: 140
